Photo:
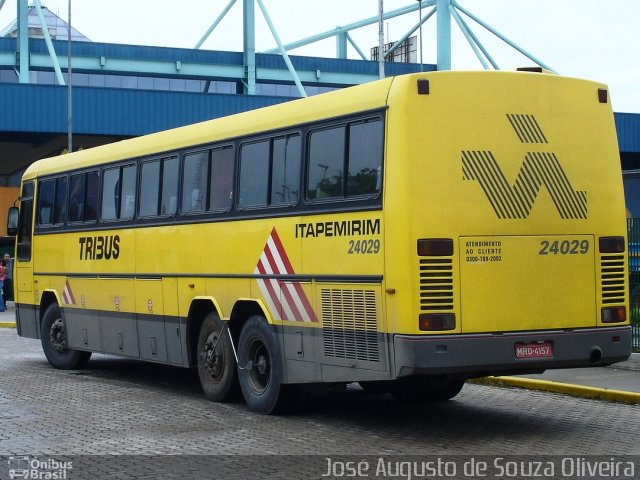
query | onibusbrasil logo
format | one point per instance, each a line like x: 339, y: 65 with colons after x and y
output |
x: 41, y: 468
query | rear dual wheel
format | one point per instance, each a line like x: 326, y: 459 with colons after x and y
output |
x: 216, y: 361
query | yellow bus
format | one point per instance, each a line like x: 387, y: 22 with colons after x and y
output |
x: 406, y: 234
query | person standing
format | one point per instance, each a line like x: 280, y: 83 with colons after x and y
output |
x: 3, y: 269
x: 7, y: 288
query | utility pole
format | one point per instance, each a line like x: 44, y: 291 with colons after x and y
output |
x: 69, y: 90
x: 381, y: 38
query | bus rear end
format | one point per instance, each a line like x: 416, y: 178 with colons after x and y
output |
x: 505, y: 225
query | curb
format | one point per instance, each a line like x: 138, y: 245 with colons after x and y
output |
x: 7, y: 324
x: 565, y: 388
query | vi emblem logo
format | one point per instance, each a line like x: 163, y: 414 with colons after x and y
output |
x: 539, y: 169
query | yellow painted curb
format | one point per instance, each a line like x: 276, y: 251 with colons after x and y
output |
x: 7, y: 324
x: 557, y: 387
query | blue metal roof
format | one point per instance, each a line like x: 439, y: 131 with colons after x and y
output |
x: 108, y: 111
x: 628, y: 128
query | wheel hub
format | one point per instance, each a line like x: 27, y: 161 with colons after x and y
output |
x: 260, y: 365
x: 212, y: 356
x: 57, y: 336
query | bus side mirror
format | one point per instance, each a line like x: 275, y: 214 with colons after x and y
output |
x: 12, y: 221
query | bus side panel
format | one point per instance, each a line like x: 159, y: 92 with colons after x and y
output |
x: 172, y: 322
x: 350, y: 330
x: 26, y: 313
x: 117, y: 322
x: 82, y: 318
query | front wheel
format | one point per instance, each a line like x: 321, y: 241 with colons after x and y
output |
x: 216, y: 362
x: 260, y: 370
x: 53, y: 335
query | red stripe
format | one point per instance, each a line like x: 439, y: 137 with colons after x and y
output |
x: 287, y: 264
x: 281, y: 251
x: 287, y: 294
x: 305, y: 302
x: 73, y: 299
x: 269, y: 287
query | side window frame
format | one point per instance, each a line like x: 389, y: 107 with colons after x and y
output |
x: 119, y: 196
x: 271, y: 140
x: 25, y: 222
x: 204, y: 196
x: 345, y: 187
x: 48, y: 185
x: 85, y: 197
x: 160, y: 186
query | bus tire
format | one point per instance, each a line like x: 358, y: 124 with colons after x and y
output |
x: 53, y: 336
x: 425, y: 389
x: 260, y: 370
x: 216, y: 362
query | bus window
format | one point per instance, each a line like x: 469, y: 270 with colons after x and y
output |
x: 52, y: 195
x: 254, y: 174
x: 149, y: 183
x: 24, y: 225
x: 128, y: 193
x: 60, y: 205
x: 91, y: 197
x: 326, y: 163
x: 285, y: 175
x: 110, y: 193
x: 170, y: 169
x: 118, y: 193
x: 365, y: 158
x: 76, y: 197
x: 83, y: 197
x: 222, y: 167
x: 194, y: 182
x: 46, y: 193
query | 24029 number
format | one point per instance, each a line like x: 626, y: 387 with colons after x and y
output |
x: 363, y: 246
x: 564, y: 247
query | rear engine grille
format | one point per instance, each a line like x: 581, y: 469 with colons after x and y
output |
x: 612, y: 274
x: 436, y: 284
x: 349, y: 324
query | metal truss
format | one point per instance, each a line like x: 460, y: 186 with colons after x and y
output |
x: 444, y: 10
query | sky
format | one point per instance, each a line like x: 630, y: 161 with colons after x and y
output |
x: 594, y: 39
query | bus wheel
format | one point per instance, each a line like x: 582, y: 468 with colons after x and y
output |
x: 425, y: 389
x: 53, y: 335
x: 259, y: 369
x: 216, y: 363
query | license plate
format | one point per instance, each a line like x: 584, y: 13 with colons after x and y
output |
x: 534, y: 350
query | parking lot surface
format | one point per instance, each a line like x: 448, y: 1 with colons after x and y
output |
x: 108, y: 415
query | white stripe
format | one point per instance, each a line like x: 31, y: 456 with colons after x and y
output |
x: 288, y: 311
x: 276, y: 256
x: 267, y: 296
x: 290, y: 288
x: 298, y: 301
x: 65, y: 295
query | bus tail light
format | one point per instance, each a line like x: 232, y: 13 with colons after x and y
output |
x: 603, y: 95
x: 431, y: 322
x: 614, y: 314
x: 435, y: 247
x: 611, y: 244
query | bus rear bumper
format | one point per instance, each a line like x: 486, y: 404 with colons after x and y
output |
x: 474, y: 355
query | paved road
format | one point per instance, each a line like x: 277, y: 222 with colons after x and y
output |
x: 125, y: 407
